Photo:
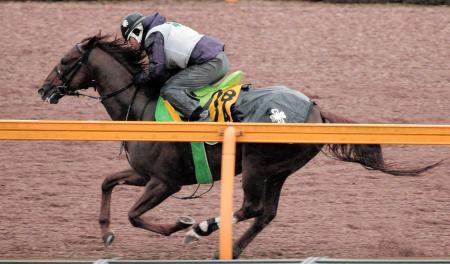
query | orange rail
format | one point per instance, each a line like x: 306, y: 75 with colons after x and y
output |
x: 252, y: 132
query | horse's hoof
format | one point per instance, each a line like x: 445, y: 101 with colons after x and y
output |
x: 184, y: 222
x: 191, y: 237
x: 108, y: 239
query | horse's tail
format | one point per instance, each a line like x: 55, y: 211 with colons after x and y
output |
x: 370, y: 156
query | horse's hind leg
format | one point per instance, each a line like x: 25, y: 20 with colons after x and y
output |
x: 127, y: 177
x: 156, y: 191
x: 259, y: 164
x: 272, y: 195
x: 253, y: 184
x: 300, y: 154
x: 264, y: 209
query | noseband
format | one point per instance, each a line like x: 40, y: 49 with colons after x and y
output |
x: 65, y: 89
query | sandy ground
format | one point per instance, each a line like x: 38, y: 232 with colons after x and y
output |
x: 369, y: 63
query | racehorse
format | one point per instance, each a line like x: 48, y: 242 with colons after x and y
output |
x: 164, y: 167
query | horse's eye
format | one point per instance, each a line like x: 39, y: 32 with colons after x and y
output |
x: 63, y: 61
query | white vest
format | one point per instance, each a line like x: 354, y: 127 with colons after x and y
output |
x: 179, y: 42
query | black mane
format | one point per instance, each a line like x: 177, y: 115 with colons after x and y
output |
x: 131, y: 58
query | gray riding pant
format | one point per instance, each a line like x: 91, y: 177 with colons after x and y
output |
x: 178, y: 88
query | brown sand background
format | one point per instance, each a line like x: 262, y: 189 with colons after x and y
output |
x: 369, y: 63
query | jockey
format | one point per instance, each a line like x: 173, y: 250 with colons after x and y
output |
x: 199, y: 60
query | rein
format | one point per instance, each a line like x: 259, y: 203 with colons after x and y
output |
x: 104, y: 97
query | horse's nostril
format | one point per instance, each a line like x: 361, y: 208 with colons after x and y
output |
x: 41, y: 92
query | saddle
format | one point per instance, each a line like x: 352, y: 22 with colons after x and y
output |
x: 219, y: 99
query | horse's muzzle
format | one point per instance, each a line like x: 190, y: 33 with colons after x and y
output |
x: 54, y: 97
x: 51, y: 96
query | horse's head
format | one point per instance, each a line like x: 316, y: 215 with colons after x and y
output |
x: 72, y: 73
x: 75, y: 72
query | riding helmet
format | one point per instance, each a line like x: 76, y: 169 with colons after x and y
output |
x: 130, y: 22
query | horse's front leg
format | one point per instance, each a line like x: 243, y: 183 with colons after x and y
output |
x: 155, y: 192
x: 127, y: 177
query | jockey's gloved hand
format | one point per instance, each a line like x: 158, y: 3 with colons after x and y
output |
x: 141, y: 79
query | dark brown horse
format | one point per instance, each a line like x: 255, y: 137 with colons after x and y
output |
x: 164, y: 167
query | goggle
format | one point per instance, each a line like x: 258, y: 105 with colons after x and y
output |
x: 137, y: 33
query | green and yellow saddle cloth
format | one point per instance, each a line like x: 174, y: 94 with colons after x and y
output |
x: 220, y: 98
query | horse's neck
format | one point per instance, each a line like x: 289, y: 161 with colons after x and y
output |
x: 112, y: 76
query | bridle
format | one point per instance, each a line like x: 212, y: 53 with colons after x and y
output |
x: 65, y: 89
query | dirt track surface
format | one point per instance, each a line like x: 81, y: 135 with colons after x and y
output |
x: 369, y: 63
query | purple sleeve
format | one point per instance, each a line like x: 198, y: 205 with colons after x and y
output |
x: 154, y: 46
